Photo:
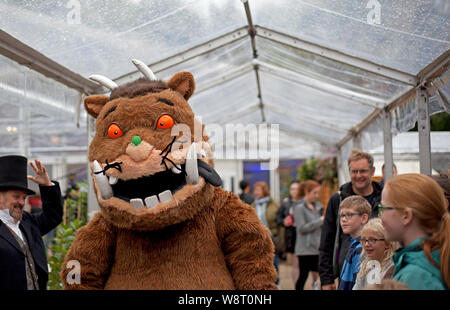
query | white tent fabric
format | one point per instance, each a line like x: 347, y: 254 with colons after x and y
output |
x: 320, y: 70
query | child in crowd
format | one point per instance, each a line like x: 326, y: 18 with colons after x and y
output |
x: 309, y: 219
x: 354, y: 212
x: 377, y: 255
x: 413, y: 211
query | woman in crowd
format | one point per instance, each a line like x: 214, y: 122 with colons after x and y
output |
x: 266, y: 209
x: 285, y: 218
x: 309, y: 219
x: 376, y: 264
x: 413, y: 211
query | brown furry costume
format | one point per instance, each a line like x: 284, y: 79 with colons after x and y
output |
x: 203, y: 238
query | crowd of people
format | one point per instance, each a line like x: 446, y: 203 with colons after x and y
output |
x: 392, y: 234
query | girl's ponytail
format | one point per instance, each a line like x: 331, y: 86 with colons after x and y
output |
x: 441, y: 240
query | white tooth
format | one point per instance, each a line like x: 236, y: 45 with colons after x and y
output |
x: 177, y: 169
x: 137, y: 203
x: 151, y: 201
x: 165, y: 196
x: 191, y: 166
x: 102, y: 182
x: 113, y: 180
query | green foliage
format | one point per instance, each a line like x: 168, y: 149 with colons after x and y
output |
x: 75, y: 217
x: 65, y: 234
x: 308, y: 170
x: 438, y: 122
x: 322, y: 171
x: 284, y: 184
x: 77, y: 199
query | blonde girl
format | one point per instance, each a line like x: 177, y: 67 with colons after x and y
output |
x: 375, y: 248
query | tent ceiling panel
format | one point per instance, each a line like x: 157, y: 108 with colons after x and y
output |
x: 338, y: 75
x: 346, y: 79
x: 8, y: 112
x: 382, y: 34
x: 25, y: 87
x: 218, y: 102
x: 308, y: 102
x: 36, y: 111
x: 208, y: 67
x: 102, y: 36
x: 290, y: 124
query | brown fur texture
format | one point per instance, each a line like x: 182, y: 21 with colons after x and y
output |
x: 224, y: 246
x: 203, y: 238
x: 94, y: 104
x: 137, y: 88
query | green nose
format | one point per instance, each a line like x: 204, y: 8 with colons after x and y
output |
x: 136, y: 140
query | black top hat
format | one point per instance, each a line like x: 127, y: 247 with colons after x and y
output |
x: 13, y: 173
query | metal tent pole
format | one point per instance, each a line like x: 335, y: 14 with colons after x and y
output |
x: 252, y: 34
x: 387, y: 137
x: 423, y: 123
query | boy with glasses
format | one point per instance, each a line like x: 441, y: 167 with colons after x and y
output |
x: 354, y: 213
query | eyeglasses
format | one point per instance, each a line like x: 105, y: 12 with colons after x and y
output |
x: 371, y: 241
x: 349, y: 215
x: 382, y: 208
x: 362, y: 171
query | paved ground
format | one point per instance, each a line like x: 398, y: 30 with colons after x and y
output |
x: 286, y: 282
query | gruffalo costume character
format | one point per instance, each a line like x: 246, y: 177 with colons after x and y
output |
x: 164, y: 223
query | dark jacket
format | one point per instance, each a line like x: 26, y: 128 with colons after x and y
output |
x: 247, y: 198
x: 33, y: 227
x: 327, y: 268
x: 289, y: 232
x: 283, y: 211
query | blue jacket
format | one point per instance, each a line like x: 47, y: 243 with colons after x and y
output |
x: 414, y: 269
x: 350, y: 268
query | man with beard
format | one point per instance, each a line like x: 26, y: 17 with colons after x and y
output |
x: 23, y: 262
x: 334, y: 244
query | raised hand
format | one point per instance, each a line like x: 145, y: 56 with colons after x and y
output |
x: 41, y: 176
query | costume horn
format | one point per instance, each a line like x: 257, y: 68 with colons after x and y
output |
x: 145, y: 70
x: 104, y: 81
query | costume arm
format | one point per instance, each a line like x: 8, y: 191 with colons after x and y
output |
x: 52, y: 208
x: 93, y: 248
x: 247, y: 245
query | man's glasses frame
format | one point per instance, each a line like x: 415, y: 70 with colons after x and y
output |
x: 362, y: 171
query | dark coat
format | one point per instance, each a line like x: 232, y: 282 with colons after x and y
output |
x: 33, y: 227
x: 327, y: 240
x: 290, y: 232
x: 247, y: 198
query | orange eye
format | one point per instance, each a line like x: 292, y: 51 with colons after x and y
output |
x: 114, y: 131
x: 165, y: 122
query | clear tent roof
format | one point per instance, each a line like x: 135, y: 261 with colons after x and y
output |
x: 322, y: 67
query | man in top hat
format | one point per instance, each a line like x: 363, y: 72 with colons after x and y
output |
x: 23, y: 262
